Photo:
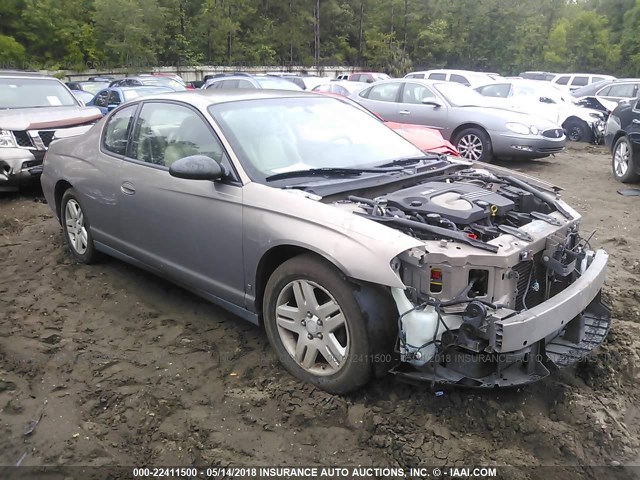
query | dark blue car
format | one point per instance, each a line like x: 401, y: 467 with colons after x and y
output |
x: 109, y: 98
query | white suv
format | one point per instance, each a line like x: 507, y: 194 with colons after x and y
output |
x: 577, y: 80
x: 465, y: 77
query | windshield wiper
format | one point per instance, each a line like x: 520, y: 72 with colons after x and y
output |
x: 410, y: 160
x: 330, y: 172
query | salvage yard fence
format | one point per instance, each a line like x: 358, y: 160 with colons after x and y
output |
x: 196, y: 73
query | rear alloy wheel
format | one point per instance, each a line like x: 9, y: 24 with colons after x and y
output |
x: 474, y: 144
x: 622, y: 162
x: 316, y: 326
x: 76, y: 228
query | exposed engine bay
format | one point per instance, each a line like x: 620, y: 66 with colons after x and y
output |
x: 505, y: 290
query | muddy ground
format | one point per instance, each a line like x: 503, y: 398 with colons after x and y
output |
x: 108, y: 365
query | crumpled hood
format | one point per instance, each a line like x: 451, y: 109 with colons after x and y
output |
x: 49, y: 117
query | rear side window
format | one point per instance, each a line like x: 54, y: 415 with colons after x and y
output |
x: 500, y: 90
x: 580, y: 81
x: 415, y: 75
x: 626, y: 90
x: 437, y: 76
x: 229, y: 84
x: 563, y: 80
x: 386, y: 92
x: 116, y: 131
x: 460, y: 79
x: 596, y: 79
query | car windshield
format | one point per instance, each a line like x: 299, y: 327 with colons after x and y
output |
x: 279, y: 135
x: 277, y: 83
x: 460, y: 96
x: 130, y: 94
x: 34, y: 93
x: 92, y: 87
x: 177, y: 86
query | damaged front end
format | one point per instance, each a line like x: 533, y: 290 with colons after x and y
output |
x: 504, y: 291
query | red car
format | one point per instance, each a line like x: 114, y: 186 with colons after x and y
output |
x: 368, y: 77
x: 425, y: 138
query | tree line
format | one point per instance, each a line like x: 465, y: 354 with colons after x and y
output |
x: 395, y: 36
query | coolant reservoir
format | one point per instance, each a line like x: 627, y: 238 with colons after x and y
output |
x: 419, y: 327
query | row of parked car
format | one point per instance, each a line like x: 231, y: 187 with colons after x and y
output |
x: 477, y: 115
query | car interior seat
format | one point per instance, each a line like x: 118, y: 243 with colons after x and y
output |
x: 192, y: 138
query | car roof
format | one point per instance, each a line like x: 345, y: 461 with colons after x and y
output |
x: 21, y: 73
x: 448, y: 70
x: 204, y: 98
x: 9, y: 74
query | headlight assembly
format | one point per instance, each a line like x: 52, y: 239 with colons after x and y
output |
x: 6, y: 139
x: 518, y: 128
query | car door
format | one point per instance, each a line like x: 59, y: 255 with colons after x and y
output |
x: 414, y: 110
x: 189, y: 230
x: 383, y: 100
x: 632, y: 127
x: 100, y: 181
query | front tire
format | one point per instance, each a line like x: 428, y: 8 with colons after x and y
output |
x: 474, y: 144
x: 622, y: 165
x: 577, y: 130
x: 316, y: 326
x: 77, y: 231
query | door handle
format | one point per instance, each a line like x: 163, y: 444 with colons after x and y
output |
x: 636, y: 121
x: 404, y: 112
x: 128, y: 188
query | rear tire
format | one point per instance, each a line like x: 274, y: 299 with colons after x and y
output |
x: 316, y: 325
x: 77, y: 230
x: 474, y: 144
x: 622, y: 165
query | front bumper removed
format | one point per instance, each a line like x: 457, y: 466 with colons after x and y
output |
x: 528, y: 346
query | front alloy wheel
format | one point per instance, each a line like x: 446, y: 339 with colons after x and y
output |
x: 312, y: 327
x: 316, y: 326
x: 474, y: 144
x: 622, y: 162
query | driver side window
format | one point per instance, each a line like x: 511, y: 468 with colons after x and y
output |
x: 416, y: 93
x: 116, y: 132
x: 166, y: 132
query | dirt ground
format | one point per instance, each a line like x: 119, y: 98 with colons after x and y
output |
x: 108, y: 365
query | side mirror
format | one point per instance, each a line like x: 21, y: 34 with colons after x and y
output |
x: 196, y: 167
x: 546, y: 100
x: 111, y: 106
x: 431, y: 103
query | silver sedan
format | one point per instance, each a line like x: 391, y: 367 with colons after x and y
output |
x: 480, y: 130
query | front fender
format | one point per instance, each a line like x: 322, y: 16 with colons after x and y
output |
x: 360, y: 248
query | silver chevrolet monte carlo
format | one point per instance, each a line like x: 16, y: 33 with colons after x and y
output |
x: 357, y: 252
